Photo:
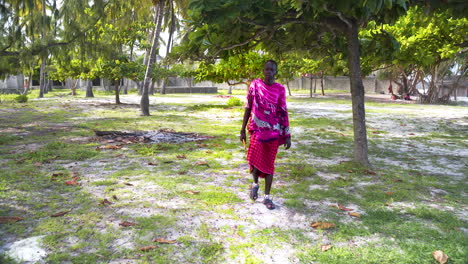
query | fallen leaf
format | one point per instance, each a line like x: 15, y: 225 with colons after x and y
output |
x: 375, y: 132
x: 152, y: 164
x: 322, y: 225
x: 344, y: 208
x: 208, y: 151
x: 389, y: 193
x: 105, y: 202
x: 56, y: 174
x: 109, y: 147
x: 350, y: 171
x: 71, y: 183
x: 37, y: 163
x: 148, y: 248
x: 325, y: 247
x: 182, y: 172
x: 115, y: 197
x: 129, y: 184
x: 127, y: 224
x: 164, y: 241
x: 388, y: 204
x: 202, y: 163
x: 370, y: 172
x: 354, y: 214
x: 192, y: 192
x: 60, y: 213
x: 440, y: 256
x: 202, y: 145
x: 9, y: 219
x: 181, y: 156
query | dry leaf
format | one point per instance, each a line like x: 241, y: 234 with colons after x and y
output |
x: 109, y: 147
x: 106, y: 202
x: 127, y: 224
x: 344, y: 208
x: 202, y: 163
x: 350, y: 171
x: 370, y: 172
x: 208, y: 151
x: 71, y: 183
x: 389, y: 193
x: 129, y: 184
x: 37, y: 163
x: 440, y: 256
x: 192, y: 192
x: 354, y: 214
x: 56, y: 174
x: 388, y: 204
x: 9, y: 219
x: 181, y: 156
x: 115, y: 197
x: 375, y: 132
x: 325, y: 247
x: 152, y: 164
x: 148, y: 248
x: 322, y: 225
x: 60, y: 214
x: 164, y: 241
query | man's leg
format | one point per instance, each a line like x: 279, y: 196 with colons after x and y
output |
x: 254, y: 188
x: 267, y: 201
x: 268, y: 183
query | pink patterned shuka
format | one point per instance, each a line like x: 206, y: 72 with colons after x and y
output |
x: 269, y: 116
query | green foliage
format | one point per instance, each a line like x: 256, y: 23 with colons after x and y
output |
x: 22, y: 98
x: 234, y: 101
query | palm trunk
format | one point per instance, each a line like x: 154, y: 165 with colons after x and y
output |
x: 357, y: 95
x: 144, y: 104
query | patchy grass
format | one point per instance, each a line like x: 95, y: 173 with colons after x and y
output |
x: 411, y: 202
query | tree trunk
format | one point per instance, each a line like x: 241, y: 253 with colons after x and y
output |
x: 163, y: 86
x: 117, y: 92
x: 357, y: 95
x: 310, y: 87
x: 321, y: 83
x: 289, y: 89
x: 89, y: 88
x: 125, y: 90
x: 151, y: 91
x: 42, y: 78
x: 230, y: 89
x: 144, y: 103
x: 49, y: 85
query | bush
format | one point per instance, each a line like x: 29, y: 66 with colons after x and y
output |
x: 21, y: 98
x: 234, y: 101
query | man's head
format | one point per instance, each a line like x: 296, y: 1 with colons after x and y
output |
x: 269, y: 71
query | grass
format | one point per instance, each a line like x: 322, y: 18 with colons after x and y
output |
x: 408, y: 210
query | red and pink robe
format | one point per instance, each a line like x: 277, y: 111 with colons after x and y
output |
x: 268, y: 124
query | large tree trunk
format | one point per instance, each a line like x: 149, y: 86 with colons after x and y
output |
x: 144, y: 103
x: 42, y: 78
x: 89, y: 88
x: 357, y: 95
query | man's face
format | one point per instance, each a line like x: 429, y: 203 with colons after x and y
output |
x: 269, y: 70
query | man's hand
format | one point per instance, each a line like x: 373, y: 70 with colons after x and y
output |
x: 243, y: 137
x: 287, y: 144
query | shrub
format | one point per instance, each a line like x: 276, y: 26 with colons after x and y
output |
x: 22, y: 98
x: 234, y: 101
